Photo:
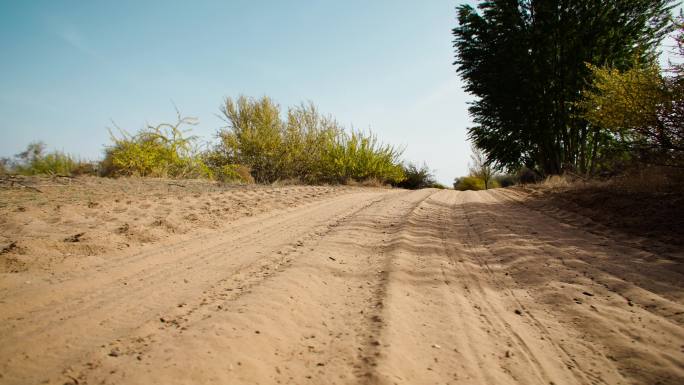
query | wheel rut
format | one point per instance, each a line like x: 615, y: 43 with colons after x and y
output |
x: 369, y: 287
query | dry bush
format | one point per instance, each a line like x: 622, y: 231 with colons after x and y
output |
x: 650, y: 179
x: 644, y: 203
x: 556, y: 182
x: 372, y: 182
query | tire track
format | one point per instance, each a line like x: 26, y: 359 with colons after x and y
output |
x: 115, y: 308
x: 474, y: 245
x: 566, y: 280
x: 328, y: 338
x: 220, y: 295
x: 393, y: 287
x: 372, y: 350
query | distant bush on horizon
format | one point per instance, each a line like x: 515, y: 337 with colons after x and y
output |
x: 417, y: 177
x: 469, y: 183
x: 36, y: 161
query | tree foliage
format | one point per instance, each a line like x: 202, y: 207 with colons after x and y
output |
x: 640, y: 108
x: 524, y: 61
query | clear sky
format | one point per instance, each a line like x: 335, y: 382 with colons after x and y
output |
x: 68, y: 68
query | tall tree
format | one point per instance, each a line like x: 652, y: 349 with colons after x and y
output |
x: 525, y: 61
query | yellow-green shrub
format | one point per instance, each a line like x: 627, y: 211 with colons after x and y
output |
x: 255, y: 136
x: 308, y: 146
x: 360, y: 156
x: 34, y: 161
x: 156, y: 151
x: 469, y: 183
x: 232, y: 173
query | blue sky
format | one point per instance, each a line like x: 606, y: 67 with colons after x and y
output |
x: 69, y: 67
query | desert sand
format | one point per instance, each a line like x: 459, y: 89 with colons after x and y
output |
x: 135, y: 282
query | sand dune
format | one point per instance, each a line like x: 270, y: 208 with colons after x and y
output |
x: 326, y: 285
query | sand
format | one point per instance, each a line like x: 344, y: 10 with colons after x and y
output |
x: 326, y: 285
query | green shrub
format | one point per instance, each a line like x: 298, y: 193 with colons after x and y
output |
x: 469, y: 183
x: 418, y: 177
x: 254, y: 137
x: 34, y: 161
x: 308, y: 134
x: 308, y: 146
x: 155, y: 151
x: 359, y: 157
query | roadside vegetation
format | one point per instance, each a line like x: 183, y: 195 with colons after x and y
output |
x: 164, y: 151
x: 257, y: 145
x: 307, y: 146
x: 417, y: 177
x: 35, y: 160
x: 483, y: 175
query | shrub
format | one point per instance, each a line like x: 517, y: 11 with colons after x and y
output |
x: 233, y: 173
x: 556, y: 181
x: 469, y: 183
x: 359, y: 157
x: 307, y: 137
x: 34, y: 161
x: 254, y: 137
x: 417, y: 177
x: 155, y: 151
x: 308, y: 146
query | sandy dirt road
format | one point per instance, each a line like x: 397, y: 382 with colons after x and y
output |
x: 365, y: 287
